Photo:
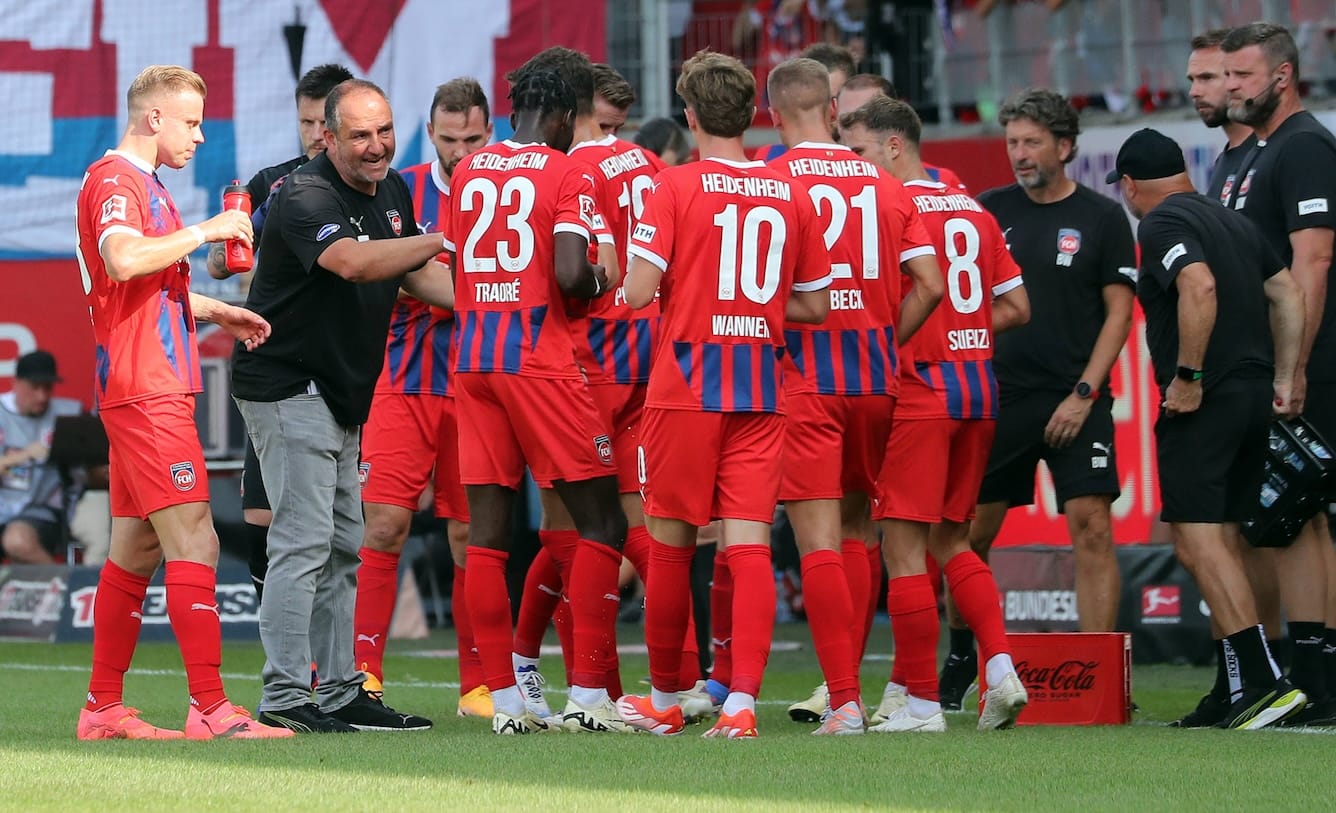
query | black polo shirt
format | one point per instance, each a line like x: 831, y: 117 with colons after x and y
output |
x: 1192, y: 228
x: 326, y: 329
x: 1068, y: 252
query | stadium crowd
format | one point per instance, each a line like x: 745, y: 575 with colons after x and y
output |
x: 665, y: 344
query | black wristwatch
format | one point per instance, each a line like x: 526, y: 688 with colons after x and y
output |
x: 1085, y: 392
x: 1189, y: 373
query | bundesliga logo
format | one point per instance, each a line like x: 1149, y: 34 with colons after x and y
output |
x: 1161, y: 604
x: 183, y: 476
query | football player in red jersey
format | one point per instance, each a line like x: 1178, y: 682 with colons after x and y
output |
x: 131, y: 248
x: 841, y: 376
x: 944, y: 423
x: 734, y: 248
x: 521, y: 218
x: 411, y: 439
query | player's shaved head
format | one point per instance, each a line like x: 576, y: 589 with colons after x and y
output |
x: 721, y: 92
x: 156, y: 81
x: 799, y: 85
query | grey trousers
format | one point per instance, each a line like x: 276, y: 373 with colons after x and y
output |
x: 309, y: 466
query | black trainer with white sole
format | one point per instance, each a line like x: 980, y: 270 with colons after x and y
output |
x: 306, y: 719
x: 367, y: 713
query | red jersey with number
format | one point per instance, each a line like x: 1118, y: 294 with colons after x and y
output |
x: 144, y: 328
x: 870, y: 227
x: 613, y: 340
x: 508, y: 201
x: 417, y: 350
x: 952, y: 354
x: 733, y: 239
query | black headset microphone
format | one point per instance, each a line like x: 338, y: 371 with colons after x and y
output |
x: 1252, y: 100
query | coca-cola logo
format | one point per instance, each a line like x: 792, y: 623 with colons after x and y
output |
x: 1068, y: 676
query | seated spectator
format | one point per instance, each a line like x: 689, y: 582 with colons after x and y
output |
x: 32, y: 500
x: 666, y: 139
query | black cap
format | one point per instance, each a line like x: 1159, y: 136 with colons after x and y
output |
x: 1146, y: 155
x: 39, y: 367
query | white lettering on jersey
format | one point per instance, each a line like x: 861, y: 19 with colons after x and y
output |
x: 948, y: 203
x: 746, y: 186
x: 850, y: 300
x: 509, y: 163
x: 496, y: 291
x: 1312, y: 206
x: 974, y: 338
x: 755, y: 327
x: 615, y: 165
x: 832, y: 169
x: 643, y: 233
x: 1172, y: 254
x: 1128, y: 271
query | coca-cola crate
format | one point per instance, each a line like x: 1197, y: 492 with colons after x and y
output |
x: 1073, y: 678
x: 1296, y: 485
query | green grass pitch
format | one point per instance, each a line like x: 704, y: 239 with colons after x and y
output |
x: 460, y: 765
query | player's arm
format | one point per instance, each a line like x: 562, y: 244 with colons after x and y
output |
x: 808, y: 307
x: 216, y: 263
x: 918, y: 304
x: 575, y: 275
x: 243, y: 324
x: 1312, y: 261
x: 376, y: 260
x: 1113, y: 335
x: 1010, y: 309
x: 432, y: 284
x: 128, y: 254
x: 1286, y: 308
x: 642, y: 281
x: 1196, y: 319
x: 607, y: 257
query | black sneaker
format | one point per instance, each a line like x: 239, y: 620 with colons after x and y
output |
x: 957, y: 677
x: 1317, y: 713
x: 1259, y: 708
x: 367, y: 713
x: 1210, y: 711
x: 306, y: 719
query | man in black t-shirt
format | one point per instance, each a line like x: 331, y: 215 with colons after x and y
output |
x: 340, y: 241
x: 1202, y: 266
x: 1287, y: 186
x: 1075, y: 250
x: 1206, y: 88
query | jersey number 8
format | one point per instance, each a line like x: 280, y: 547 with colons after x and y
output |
x: 481, y: 195
x: 964, y: 262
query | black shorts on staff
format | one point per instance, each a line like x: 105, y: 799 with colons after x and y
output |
x: 1086, y: 467
x: 1211, y: 461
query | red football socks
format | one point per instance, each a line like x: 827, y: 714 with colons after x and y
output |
x: 915, y: 625
x: 470, y: 668
x: 377, y: 589
x: 489, y: 610
x: 874, y: 593
x: 192, y: 606
x: 975, y: 592
x: 721, y: 620
x: 594, y: 603
x: 118, y: 611
x: 542, y: 592
x: 858, y: 575
x: 829, y: 611
x: 667, y: 608
x: 753, y: 615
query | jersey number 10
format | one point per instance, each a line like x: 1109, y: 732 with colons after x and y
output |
x: 745, y: 262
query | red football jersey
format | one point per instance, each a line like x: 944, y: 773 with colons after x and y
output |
x: 733, y: 239
x: 952, y: 353
x: 613, y: 341
x: 870, y: 227
x: 507, y: 204
x: 945, y: 176
x: 417, y: 351
x: 144, y: 328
